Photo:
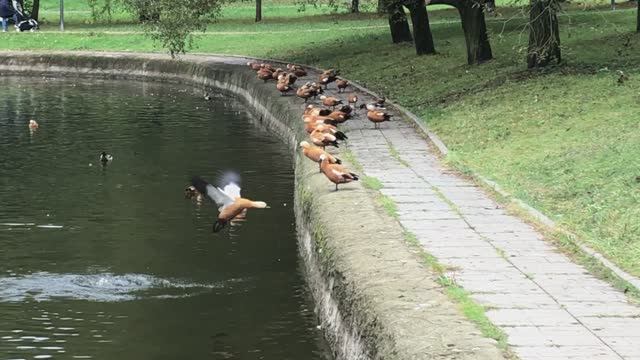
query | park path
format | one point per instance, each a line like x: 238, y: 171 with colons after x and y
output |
x: 550, y: 307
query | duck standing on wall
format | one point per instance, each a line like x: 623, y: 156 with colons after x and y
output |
x: 330, y: 101
x: 313, y: 153
x: 342, y: 84
x: 336, y: 173
x: 230, y: 203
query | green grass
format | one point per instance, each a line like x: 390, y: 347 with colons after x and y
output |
x: 388, y: 205
x: 473, y: 311
x: 564, y: 140
x: 396, y: 155
x: 350, y: 158
x: 371, y: 182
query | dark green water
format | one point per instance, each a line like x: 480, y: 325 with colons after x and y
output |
x: 114, y: 263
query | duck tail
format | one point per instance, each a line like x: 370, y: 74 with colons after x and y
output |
x: 219, y: 225
x: 334, y: 143
x: 200, y: 184
x: 340, y: 135
x: 355, y: 176
x: 338, y: 161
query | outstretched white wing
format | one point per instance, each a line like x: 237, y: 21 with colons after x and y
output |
x: 232, y: 190
x: 218, y: 196
x: 215, y: 194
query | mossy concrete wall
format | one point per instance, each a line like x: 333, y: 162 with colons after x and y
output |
x: 374, y: 297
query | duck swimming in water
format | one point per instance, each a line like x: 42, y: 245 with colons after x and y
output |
x: 105, y: 158
x: 33, y: 124
x: 190, y: 192
x: 230, y: 204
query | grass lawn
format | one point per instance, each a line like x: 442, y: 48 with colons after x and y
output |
x: 565, y: 140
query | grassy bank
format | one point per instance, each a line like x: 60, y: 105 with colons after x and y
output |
x: 565, y: 140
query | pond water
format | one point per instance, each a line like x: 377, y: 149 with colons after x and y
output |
x: 113, y: 262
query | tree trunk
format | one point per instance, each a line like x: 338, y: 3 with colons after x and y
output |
x: 421, y: 29
x: 475, y: 31
x: 381, y: 7
x: 398, y: 23
x: 355, y: 6
x: 544, y: 34
x: 35, y: 10
x: 258, y: 10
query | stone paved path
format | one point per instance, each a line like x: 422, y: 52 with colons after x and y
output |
x: 549, y: 307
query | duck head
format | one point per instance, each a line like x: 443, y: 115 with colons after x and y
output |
x: 190, y: 192
x: 304, y: 144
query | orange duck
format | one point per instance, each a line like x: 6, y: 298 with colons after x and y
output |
x: 376, y: 117
x: 297, y: 70
x: 342, y: 84
x: 304, y: 93
x: 254, y: 65
x: 314, y: 153
x: 318, y: 119
x: 228, y: 199
x: 277, y: 73
x: 316, y: 111
x: 283, y: 87
x: 323, y: 139
x: 327, y: 77
x: 268, y: 67
x: 352, y: 100
x: 339, y: 116
x: 330, y: 101
x: 265, y: 75
x: 336, y: 173
x: 330, y: 129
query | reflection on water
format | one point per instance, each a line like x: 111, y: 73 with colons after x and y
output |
x: 112, y: 262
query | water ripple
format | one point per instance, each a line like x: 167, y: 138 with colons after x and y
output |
x: 105, y: 287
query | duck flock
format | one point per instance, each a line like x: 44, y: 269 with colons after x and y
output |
x: 320, y: 122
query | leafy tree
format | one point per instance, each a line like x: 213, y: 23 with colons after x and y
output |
x: 172, y: 22
x: 101, y: 9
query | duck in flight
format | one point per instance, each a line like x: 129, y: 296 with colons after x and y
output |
x: 230, y: 204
